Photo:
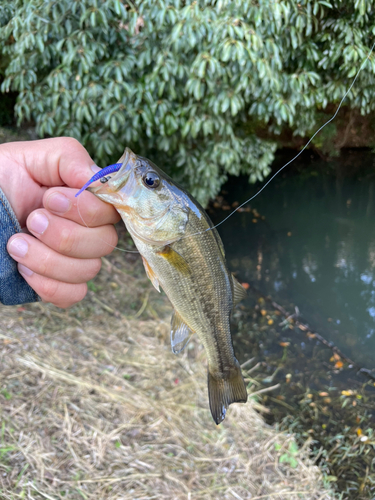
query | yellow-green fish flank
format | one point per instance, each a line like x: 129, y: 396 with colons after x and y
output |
x: 180, y: 254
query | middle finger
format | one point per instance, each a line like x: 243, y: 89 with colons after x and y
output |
x: 69, y: 238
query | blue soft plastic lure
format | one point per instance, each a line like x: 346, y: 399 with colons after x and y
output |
x: 99, y: 175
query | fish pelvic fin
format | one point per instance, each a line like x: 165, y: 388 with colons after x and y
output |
x: 223, y: 391
x: 150, y: 274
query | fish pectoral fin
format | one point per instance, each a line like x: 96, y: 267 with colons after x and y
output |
x: 180, y: 333
x: 175, y: 259
x: 150, y: 274
x: 239, y: 293
x: 225, y: 390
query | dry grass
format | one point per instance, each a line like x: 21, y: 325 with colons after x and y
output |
x: 95, y: 406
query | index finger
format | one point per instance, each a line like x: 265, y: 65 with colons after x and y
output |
x: 86, y: 210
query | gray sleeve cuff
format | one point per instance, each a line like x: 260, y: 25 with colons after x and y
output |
x: 13, y: 287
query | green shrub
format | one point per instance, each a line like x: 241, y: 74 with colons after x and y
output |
x: 190, y: 84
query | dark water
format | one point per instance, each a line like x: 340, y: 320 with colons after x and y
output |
x: 313, y: 245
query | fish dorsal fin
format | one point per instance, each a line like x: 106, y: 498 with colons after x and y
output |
x: 175, y: 259
x: 150, y: 274
x: 239, y: 293
x: 180, y: 333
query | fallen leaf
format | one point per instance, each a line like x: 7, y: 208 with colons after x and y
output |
x: 284, y: 344
x: 246, y: 286
x: 263, y: 312
x: 289, y: 234
x: 323, y: 394
x: 347, y: 393
x: 311, y: 335
x: 254, y: 221
x: 359, y: 431
x: 339, y: 364
x: 270, y: 321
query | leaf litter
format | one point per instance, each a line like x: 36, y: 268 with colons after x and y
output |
x: 94, y: 405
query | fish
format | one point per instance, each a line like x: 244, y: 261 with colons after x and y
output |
x: 183, y: 254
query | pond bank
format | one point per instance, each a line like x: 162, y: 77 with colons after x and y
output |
x: 95, y: 405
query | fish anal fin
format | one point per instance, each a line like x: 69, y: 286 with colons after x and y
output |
x: 225, y: 390
x: 239, y: 293
x: 150, y: 274
x: 175, y: 259
x: 180, y: 333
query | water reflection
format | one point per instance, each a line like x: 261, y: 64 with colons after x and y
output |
x: 315, y: 248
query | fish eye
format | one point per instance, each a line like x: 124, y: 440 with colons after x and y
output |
x: 151, y: 179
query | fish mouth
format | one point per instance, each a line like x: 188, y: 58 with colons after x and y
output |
x: 110, y: 190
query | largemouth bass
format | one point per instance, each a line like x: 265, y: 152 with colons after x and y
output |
x: 184, y: 255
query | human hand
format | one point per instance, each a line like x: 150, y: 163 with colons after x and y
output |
x: 61, y: 254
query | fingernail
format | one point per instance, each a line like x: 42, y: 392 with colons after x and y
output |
x: 95, y: 168
x: 58, y: 203
x: 25, y: 270
x: 18, y: 247
x: 38, y: 223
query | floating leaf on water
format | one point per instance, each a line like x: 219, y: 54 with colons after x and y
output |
x: 348, y: 393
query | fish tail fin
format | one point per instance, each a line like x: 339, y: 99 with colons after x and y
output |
x: 224, y: 391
